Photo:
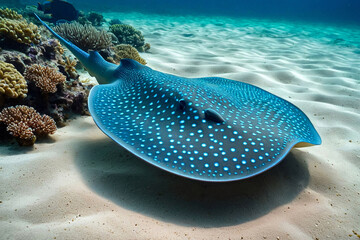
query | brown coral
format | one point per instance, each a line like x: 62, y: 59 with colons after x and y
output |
x: 84, y: 36
x: 45, y: 78
x: 25, y: 123
x: 12, y: 83
x: 126, y: 51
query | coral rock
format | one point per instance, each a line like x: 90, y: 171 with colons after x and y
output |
x: 12, y: 83
x: 45, y: 78
x: 25, y: 123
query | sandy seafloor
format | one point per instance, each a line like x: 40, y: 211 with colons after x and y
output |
x: 79, y: 184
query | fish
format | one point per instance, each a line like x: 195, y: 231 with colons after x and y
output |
x: 209, y: 129
x: 60, y: 10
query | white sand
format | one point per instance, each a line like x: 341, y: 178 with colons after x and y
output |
x: 81, y: 185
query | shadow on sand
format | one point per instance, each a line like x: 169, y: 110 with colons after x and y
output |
x: 9, y: 146
x: 128, y: 181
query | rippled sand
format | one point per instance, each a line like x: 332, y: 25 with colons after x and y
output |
x: 81, y: 185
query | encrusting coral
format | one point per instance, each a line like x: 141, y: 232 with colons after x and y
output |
x: 126, y: 51
x: 86, y: 37
x: 26, y: 124
x: 14, y: 27
x: 45, y: 78
x: 127, y: 34
x: 12, y: 83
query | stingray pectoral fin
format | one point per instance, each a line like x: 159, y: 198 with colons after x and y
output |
x: 99, y: 97
x: 264, y: 104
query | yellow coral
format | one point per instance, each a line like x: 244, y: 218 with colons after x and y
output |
x: 12, y: 83
x: 59, y: 47
x: 70, y: 65
x: 19, y: 30
x: 10, y: 14
x: 127, y: 51
x: 44, y: 77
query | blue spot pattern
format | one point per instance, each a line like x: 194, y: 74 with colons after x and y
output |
x: 160, y: 118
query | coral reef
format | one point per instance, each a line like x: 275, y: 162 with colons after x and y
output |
x: 126, y: 51
x: 18, y: 59
x: 86, y: 37
x: 51, y: 49
x: 12, y: 83
x: 127, y: 34
x: 13, y: 27
x: 45, y: 78
x: 48, y: 52
x: 58, y: 94
x: 26, y: 124
x: 93, y: 18
x: 115, y: 21
x: 70, y: 99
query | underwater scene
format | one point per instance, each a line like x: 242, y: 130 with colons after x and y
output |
x: 196, y: 119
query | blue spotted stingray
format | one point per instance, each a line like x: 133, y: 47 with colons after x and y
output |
x: 209, y: 129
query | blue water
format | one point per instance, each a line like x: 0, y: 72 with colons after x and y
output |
x: 338, y: 11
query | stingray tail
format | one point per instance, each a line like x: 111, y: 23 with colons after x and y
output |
x: 79, y: 53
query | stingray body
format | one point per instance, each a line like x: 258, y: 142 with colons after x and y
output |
x: 209, y: 129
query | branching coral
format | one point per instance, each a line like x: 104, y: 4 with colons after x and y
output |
x: 69, y: 67
x: 127, y: 34
x: 45, y: 78
x: 12, y: 83
x: 14, y: 27
x: 84, y: 36
x: 126, y: 51
x: 25, y: 123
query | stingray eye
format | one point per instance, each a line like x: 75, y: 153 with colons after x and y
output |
x: 182, y: 104
x: 214, y: 116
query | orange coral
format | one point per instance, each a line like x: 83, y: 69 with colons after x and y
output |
x: 44, y: 77
x: 25, y: 123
